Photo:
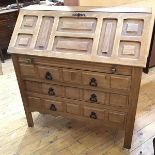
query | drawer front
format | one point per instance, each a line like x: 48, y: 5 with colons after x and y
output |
x: 73, y: 93
x: 54, y: 106
x: 35, y: 104
x: 117, y: 117
x: 118, y: 100
x: 33, y: 86
x: 49, y: 73
x: 94, y: 113
x: 52, y: 90
x: 93, y: 79
x: 28, y: 71
x: 95, y: 97
x: 120, y: 82
x: 72, y: 76
x: 73, y: 109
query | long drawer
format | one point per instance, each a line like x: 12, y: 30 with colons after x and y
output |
x: 46, y: 105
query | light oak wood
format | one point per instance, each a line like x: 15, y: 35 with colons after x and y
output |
x: 90, y: 72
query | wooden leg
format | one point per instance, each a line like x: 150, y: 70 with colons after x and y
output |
x: 29, y: 119
x: 128, y: 138
x: 154, y: 145
x: 1, y: 55
x: 1, y: 68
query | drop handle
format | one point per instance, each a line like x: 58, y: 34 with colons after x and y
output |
x: 51, y: 92
x: 93, y: 98
x: 48, y: 76
x: 53, y: 108
x: 113, y: 70
x: 29, y: 60
x: 93, y: 82
x: 93, y: 115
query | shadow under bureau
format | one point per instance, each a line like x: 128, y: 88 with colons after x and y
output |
x: 82, y: 62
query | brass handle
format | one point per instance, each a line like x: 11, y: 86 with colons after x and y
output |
x: 51, y: 92
x: 113, y: 70
x: 48, y: 76
x: 53, y: 108
x: 93, y: 98
x: 93, y: 115
x: 93, y: 82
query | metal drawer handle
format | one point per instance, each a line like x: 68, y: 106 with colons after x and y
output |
x: 113, y: 70
x: 48, y: 76
x: 93, y: 82
x: 53, y: 108
x: 93, y: 115
x: 93, y: 98
x: 51, y: 92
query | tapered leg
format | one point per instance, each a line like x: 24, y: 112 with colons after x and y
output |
x: 1, y: 55
x: 29, y: 119
x: 154, y: 145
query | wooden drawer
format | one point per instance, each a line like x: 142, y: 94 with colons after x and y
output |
x: 118, y: 100
x: 117, y: 117
x: 72, y: 76
x: 95, y: 97
x: 54, y: 106
x: 73, y: 93
x: 35, y: 104
x: 94, y: 113
x: 28, y: 71
x: 33, y: 86
x: 73, y: 109
x: 52, y: 90
x: 94, y: 79
x: 120, y: 82
x: 49, y: 73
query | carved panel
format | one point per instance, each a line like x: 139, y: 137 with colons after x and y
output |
x: 107, y: 37
x: 29, y: 22
x: 77, y: 25
x: 23, y: 40
x: 129, y: 49
x: 132, y: 27
x: 44, y: 33
x: 72, y: 45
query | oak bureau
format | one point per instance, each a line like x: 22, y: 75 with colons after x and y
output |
x: 82, y: 62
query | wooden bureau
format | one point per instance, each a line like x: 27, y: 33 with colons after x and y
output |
x: 82, y: 62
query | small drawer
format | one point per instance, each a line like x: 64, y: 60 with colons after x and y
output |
x: 35, y: 104
x: 116, y: 117
x: 52, y: 90
x: 73, y: 109
x: 93, y: 79
x: 53, y: 106
x: 72, y: 76
x: 118, y: 100
x: 94, y: 113
x: 28, y: 71
x: 73, y: 93
x: 94, y: 97
x: 33, y: 86
x: 120, y: 82
x: 49, y: 73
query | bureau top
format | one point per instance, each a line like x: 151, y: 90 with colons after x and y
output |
x: 105, y: 35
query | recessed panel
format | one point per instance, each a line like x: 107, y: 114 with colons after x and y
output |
x: 29, y: 22
x: 44, y: 33
x: 129, y: 49
x: 107, y: 37
x: 132, y: 27
x: 72, y: 45
x: 81, y: 25
x: 23, y: 40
